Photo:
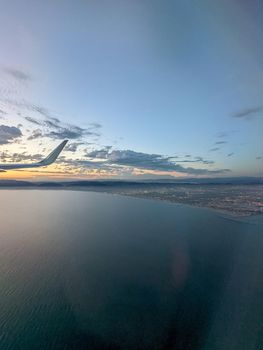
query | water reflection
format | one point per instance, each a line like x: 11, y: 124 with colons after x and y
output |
x: 86, y: 270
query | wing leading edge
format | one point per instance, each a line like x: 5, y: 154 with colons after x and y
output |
x: 47, y: 161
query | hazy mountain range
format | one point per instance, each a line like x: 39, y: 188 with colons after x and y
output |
x: 115, y: 183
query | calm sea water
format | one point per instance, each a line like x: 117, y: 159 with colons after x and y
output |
x: 82, y: 270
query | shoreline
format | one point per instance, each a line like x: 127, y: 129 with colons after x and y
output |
x: 226, y: 214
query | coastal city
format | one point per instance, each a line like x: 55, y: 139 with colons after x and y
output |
x: 237, y: 200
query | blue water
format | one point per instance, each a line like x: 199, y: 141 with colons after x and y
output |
x: 82, y: 270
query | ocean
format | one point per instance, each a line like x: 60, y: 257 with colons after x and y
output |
x: 83, y: 270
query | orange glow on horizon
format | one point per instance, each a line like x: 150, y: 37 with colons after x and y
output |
x: 53, y: 173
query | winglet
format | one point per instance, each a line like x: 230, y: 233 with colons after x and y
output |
x: 53, y: 155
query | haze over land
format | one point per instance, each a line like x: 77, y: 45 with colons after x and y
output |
x: 236, y: 196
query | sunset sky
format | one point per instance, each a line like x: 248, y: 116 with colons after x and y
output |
x: 142, y: 88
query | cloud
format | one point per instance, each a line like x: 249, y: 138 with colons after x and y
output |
x: 248, y: 113
x: 99, y: 154
x: 95, y: 125
x: 35, y: 134
x: 54, y: 123
x: 155, y: 162
x: 55, y: 120
x: 18, y: 74
x: 230, y: 154
x: 220, y: 142
x: 71, y: 132
x: 33, y: 120
x: 41, y: 110
x: 204, y: 161
x: 55, y: 129
x: 221, y: 134
x: 52, y: 127
x: 9, y: 133
x: 73, y: 146
x: 195, y: 160
x: 20, y: 157
x: 28, y: 106
x: 214, y: 149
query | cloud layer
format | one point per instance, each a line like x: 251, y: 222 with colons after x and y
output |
x: 9, y: 134
x: 55, y: 129
x: 40, y: 122
x: 155, y: 162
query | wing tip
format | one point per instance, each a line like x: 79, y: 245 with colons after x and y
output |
x: 51, y: 158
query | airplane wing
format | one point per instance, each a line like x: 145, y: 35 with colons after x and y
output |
x: 47, y: 161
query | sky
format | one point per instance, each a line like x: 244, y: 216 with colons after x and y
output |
x: 142, y: 88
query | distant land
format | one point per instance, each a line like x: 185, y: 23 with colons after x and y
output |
x: 242, y: 196
x: 107, y: 182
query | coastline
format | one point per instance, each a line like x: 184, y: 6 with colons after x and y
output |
x: 224, y: 213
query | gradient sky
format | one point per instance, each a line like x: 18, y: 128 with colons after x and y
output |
x: 141, y: 88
